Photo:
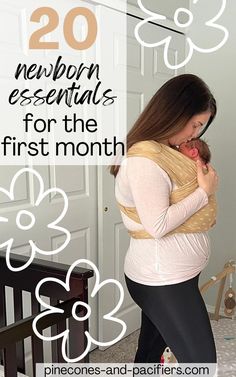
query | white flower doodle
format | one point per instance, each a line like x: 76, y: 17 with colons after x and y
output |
x: 65, y: 333
x: 166, y: 41
x: 53, y: 225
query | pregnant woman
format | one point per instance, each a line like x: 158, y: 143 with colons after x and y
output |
x: 167, y: 204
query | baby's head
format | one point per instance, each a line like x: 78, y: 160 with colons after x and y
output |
x: 196, y: 149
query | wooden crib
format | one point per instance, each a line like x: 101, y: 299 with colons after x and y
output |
x: 12, y: 347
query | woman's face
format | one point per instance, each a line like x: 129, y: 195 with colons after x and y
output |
x: 192, y: 129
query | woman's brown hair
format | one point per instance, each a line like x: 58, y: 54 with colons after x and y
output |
x: 169, y: 110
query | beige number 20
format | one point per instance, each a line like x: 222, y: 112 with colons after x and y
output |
x: 53, y: 21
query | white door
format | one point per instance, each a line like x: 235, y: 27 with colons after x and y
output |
x: 146, y: 72
x: 78, y: 182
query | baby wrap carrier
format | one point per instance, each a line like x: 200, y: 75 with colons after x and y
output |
x: 183, y: 172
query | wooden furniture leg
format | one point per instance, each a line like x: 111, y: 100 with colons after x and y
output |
x: 219, y: 299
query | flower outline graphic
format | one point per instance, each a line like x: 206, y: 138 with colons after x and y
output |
x: 53, y: 225
x: 65, y: 333
x: 166, y: 41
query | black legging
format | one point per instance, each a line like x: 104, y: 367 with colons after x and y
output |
x: 175, y: 316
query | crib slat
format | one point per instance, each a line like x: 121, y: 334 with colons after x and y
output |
x: 56, y: 344
x: 36, y: 343
x: 2, y: 306
x: 18, y: 313
x: 2, y: 312
x: 37, y: 352
x: 77, y: 338
x: 10, y: 359
x: 60, y: 328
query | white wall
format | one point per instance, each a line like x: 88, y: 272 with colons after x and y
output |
x: 218, y: 70
x: 166, y: 7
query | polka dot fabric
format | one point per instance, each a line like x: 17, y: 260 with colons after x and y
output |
x: 183, y: 172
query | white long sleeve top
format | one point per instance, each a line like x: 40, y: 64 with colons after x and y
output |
x: 164, y: 260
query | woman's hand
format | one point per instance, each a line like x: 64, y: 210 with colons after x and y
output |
x: 207, y: 181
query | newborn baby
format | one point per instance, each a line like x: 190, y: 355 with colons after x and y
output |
x: 196, y: 149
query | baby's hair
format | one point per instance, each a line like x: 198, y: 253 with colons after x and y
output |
x: 202, y: 147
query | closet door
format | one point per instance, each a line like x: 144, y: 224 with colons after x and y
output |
x: 146, y: 72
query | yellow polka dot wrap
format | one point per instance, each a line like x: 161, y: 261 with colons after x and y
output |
x: 183, y: 171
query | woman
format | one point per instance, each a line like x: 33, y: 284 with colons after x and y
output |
x: 169, y: 245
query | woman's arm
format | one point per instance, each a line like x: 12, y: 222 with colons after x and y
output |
x: 151, y: 188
